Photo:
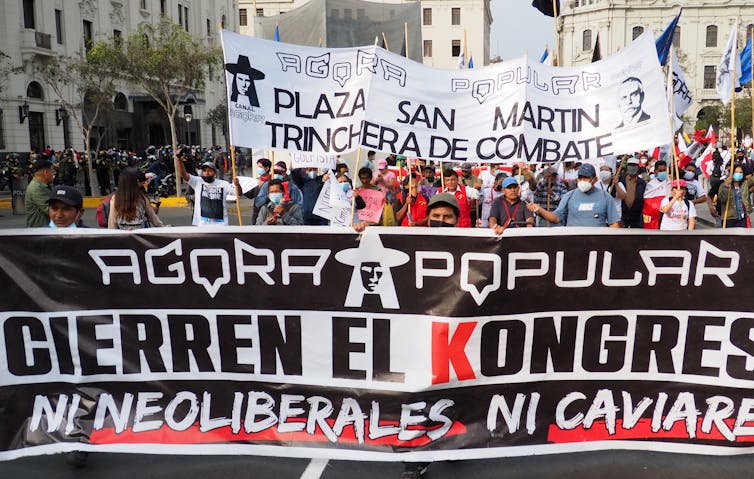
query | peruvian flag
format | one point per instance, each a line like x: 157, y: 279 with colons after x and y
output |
x: 705, y: 162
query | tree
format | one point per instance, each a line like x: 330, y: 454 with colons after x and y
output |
x: 718, y: 116
x: 218, y: 118
x: 168, y: 65
x: 84, y: 88
x: 6, y: 69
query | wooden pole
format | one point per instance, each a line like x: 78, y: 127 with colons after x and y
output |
x: 230, y: 138
x: 732, y: 127
x: 384, y: 40
x: 405, y: 36
x: 671, y: 92
x: 353, y: 193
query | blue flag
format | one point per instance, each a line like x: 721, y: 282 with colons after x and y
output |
x: 665, y: 40
x: 746, y: 64
x: 471, y: 62
x: 277, y: 34
x: 544, y: 56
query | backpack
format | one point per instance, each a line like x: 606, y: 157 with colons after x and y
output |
x: 103, y: 211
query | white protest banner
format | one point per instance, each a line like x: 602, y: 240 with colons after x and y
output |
x: 331, y: 101
x: 374, y: 199
x: 333, y: 203
x: 312, y: 160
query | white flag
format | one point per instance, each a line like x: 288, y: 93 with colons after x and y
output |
x: 682, y: 98
x: 729, y: 70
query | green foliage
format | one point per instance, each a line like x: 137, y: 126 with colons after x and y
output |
x: 6, y: 69
x: 218, y: 117
x: 718, y: 115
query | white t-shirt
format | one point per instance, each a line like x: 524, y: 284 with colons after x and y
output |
x: 676, y: 219
x: 209, y: 201
x: 489, y: 195
x: 695, y: 188
x: 616, y: 201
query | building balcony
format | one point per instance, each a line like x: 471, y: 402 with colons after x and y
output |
x: 35, y: 43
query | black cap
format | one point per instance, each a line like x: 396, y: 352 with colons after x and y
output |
x: 68, y: 195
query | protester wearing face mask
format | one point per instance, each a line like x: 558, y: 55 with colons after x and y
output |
x: 657, y: 189
x: 263, y: 176
x: 310, y: 182
x: 414, y: 211
x: 210, y: 207
x: 279, y: 210
x: 291, y: 190
x: 489, y: 195
x: 548, y: 192
x: 695, y: 192
x: 733, y: 198
x: 630, y: 190
x: 608, y: 183
x: 584, y: 206
x: 66, y: 208
x: 443, y: 211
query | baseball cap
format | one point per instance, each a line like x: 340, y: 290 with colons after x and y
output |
x: 68, y: 195
x: 208, y: 164
x: 466, y: 166
x: 381, y: 164
x: 444, y: 199
x: 587, y: 171
x: 510, y: 181
x: 633, y: 161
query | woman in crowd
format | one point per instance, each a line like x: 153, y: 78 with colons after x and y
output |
x: 129, y: 206
x: 733, y: 198
x: 279, y: 210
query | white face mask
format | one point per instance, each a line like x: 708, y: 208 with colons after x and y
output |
x: 605, y: 175
x: 585, y: 185
x: 72, y: 225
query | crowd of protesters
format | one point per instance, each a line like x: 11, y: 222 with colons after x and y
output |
x: 633, y: 191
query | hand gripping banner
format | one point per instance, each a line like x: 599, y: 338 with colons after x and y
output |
x: 388, y: 346
x: 333, y: 101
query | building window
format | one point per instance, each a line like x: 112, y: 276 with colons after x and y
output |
x: 636, y: 32
x: 711, y: 36
x: 427, y: 16
x: 59, y: 26
x: 586, y: 40
x: 455, y: 16
x: 347, y: 14
x: 120, y: 102
x: 186, y: 18
x: 334, y: 13
x: 209, y: 27
x: 260, y: 12
x: 144, y: 4
x: 163, y: 8
x: 710, y: 74
x: 29, y: 14
x: 88, y: 38
x: 360, y: 14
x: 455, y: 48
x: 242, y: 20
x: 677, y: 37
x: 427, y: 48
x: 34, y: 90
x: 180, y: 15
x: 117, y: 37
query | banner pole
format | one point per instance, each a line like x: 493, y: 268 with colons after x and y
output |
x: 442, y: 177
x: 384, y: 39
x: 410, y: 183
x: 353, y: 193
x: 732, y: 125
x: 230, y: 131
x: 556, y: 56
x: 671, y: 91
x: 405, y: 36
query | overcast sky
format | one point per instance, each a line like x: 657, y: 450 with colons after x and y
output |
x: 518, y: 27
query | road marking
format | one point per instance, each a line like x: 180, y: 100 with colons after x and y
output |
x: 315, y: 469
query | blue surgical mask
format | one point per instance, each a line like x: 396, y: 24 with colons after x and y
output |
x: 261, y: 171
x: 662, y: 176
x: 53, y: 225
x: 312, y: 174
x: 688, y: 176
x: 277, y: 176
x: 276, y: 198
x: 738, y: 176
x: 345, y: 187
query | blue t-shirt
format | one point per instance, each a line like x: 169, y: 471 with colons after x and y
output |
x: 595, y: 208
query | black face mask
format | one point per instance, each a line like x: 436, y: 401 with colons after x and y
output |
x: 208, y: 179
x: 498, y: 187
x: 440, y: 224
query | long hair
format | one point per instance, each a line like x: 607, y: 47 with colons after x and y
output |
x: 234, y: 89
x: 128, y: 196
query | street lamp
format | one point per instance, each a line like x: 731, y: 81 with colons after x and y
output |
x: 61, y: 114
x: 23, y: 112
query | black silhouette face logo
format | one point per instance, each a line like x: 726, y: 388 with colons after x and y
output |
x: 371, y: 274
x: 243, y: 90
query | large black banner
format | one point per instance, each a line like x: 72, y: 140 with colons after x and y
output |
x: 390, y: 345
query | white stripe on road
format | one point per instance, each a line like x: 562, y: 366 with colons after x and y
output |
x: 315, y: 469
